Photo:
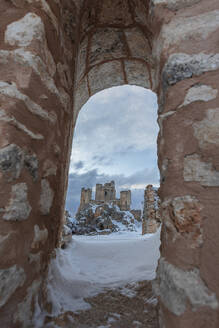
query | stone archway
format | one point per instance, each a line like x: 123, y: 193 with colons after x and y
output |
x: 53, y: 56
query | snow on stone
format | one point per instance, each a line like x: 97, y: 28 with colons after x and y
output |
x: 91, y: 264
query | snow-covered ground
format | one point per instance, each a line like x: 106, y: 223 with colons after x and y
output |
x: 91, y: 264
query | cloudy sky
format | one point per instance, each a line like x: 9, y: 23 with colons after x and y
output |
x: 115, y: 139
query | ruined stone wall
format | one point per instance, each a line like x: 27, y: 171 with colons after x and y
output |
x: 54, y: 55
x: 185, y: 44
x: 99, y: 195
x: 125, y: 200
x: 86, y: 197
x: 106, y: 192
x: 150, y: 221
x: 37, y: 49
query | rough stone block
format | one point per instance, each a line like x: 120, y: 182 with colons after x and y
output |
x: 178, y: 286
x: 207, y: 130
x: 182, y: 66
x: 116, y: 12
x: 182, y: 217
x: 198, y: 171
x: 81, y: 96
x: 19, y: 208
x: 10, y: 279
x: 106, y: 76
x: 46, y: 197
x: 138, y: 44
x: 106, y: 44
x: 199, y: 93
x: 82, y: 59
x: 137, y: 73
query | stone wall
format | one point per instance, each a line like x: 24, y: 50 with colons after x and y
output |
x: 86, y: 196
x: 151, y: 212
x: 54, y: 55
x: 106, y: 192
x: 125, y: 200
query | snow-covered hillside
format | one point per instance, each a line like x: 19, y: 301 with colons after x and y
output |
x: 102, y: 219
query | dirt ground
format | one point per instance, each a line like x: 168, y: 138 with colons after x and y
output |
x: 133, y: 306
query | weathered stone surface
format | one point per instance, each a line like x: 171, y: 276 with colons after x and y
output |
x: 182, y: 217
x: 31, y: 163
x: 137, y: 73
x: 49, y: 168
x: 10, y: 280
x: 11, y: 161
x: 138, y: 44
x: 22, y: 32
x: 40, y: 236
x: 65, y: 76
x: 81, y: 96
x: 199, y: 93
x: 46, y: 197
x: 107, y: 43
x: 197, y: 27
x: 178, y: 286
x: 66, y: 237
x: 82, y: 59
x: 175, y: 4
x: 11, y: 120
x: 151, y: 213
x: 69, y: 24
x: 182, y: 66
x: 22, y: 57
x: 116, y: 12
x: 25, y: 314
x: 30, y: 29
x: 35, y: 259
x: 105, y: 76
x: 10, y: 90
x: 207, y: 130
x: 65, y: 100
x: 19, y: 208
x: 197, y: 170
x: 140, y: 12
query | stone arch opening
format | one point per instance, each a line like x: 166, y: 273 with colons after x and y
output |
x: 40, y: 46
x: 127, y: 108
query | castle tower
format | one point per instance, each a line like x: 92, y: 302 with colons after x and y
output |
x: 109, y: 192
x: 86, y: 195
x: 105, y: 193
x: 125, y: 200
x: 99, y: 195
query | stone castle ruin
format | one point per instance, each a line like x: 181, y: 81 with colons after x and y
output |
x: 106, y: 194
x: 56, y: 54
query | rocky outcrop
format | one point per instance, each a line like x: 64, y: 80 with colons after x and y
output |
x: 102, y: 219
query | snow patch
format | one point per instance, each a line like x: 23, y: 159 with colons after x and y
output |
x: 91, y: 264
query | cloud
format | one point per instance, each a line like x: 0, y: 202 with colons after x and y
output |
x: 113, y: 122
x: 115, y: 137
x: 78, y: 165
